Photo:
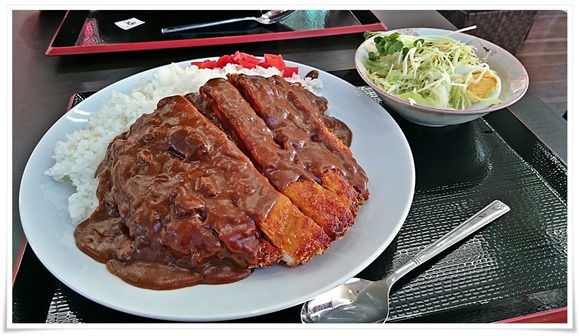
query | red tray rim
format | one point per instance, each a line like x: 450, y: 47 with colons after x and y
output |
x: 209, y: 41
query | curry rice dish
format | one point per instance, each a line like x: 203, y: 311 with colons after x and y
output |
x: 241, y: 175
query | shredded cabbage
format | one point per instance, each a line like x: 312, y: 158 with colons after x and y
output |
x: 427, y: 70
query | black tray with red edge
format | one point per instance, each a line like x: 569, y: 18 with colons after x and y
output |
x: 85, y: 32
x: 512, y: 271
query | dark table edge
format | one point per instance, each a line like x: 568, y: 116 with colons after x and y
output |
x: 547, y: 125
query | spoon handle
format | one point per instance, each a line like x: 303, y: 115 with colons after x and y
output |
x: 485, y: 216
x: 203, y: 25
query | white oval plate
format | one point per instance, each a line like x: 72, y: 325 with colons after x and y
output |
x: 378, y: 145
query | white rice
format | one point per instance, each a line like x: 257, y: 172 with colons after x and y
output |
x: 78, y: 157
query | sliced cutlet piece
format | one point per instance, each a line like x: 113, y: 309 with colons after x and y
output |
x: 294, y: 117
x: 276, y: 158
x: 351, y: 171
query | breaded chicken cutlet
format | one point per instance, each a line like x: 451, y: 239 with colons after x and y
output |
x: 280, y: 127
x: 243, y: 174
x: 180, y: 204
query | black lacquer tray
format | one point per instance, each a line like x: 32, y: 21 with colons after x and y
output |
x: 86, y: 32
x: 515, y: 268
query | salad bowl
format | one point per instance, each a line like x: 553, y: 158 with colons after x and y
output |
x: 513, y: 79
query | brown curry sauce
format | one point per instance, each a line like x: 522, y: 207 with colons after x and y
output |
x: 178, y: 203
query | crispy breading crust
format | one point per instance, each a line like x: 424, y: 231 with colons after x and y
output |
x: 327, y: 196
x: 273, y: 107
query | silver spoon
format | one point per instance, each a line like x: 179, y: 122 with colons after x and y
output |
x: 364, y: 301
x: 270, y: 17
